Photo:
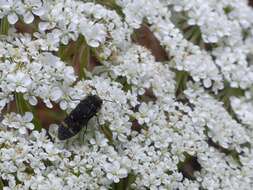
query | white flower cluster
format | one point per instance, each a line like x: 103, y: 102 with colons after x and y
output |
x: 184, y: 55
x: 216, y: 19
x: 154, y: 130
x: 243, y: 109
x: 187, y: 56
x: 32, y: 161
x: 221, y: 127
x: 62, y: 21
x: 142, y: 72
x: 35, y: 73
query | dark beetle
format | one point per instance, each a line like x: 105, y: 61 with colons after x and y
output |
x: 79, y: 117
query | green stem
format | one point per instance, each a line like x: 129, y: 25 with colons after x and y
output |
x: 4, y: 27
x: 84, y: 59
x: 119, y: 186
x: 108, y: 133
x: 181, y: 79
x: 125, y: 183
x: 23, y: 106
x: 61, y: 51
x: 1, y: 184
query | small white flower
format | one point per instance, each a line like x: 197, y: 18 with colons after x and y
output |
x: 32, y: 7
x: 114, y: 172
x: 56, y: 94
x: 19, y: 81
x: 12, y: 8
x: 28, y: 117
x: 94, y: 33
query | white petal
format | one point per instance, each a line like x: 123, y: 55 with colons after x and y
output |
x: 63, y: 105
x: 43, y: 26
x: 28, y: 18
x: 93, y: 43
x: 116, y: 179
x: 212, y: 39
x: 92, y: 141
x: 32, y: 100
x: 22, y: 130
x: 56, y: 93
x: 21, y: 89
x: 26, y: 81
x: 109, y: 176
x: 40, y: 11
x: 12, y: 18
x: 28, y: 116
x: 48, y: 103
x: 207, y: 83
x: 3, y: 103
x: 122, y: 173
x: 30, y: 126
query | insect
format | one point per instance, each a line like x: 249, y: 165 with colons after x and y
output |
x: 79, y: 117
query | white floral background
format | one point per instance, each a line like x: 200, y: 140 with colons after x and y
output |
x: 179, y: 77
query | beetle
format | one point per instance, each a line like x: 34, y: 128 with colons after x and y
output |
x: 79, y: 117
